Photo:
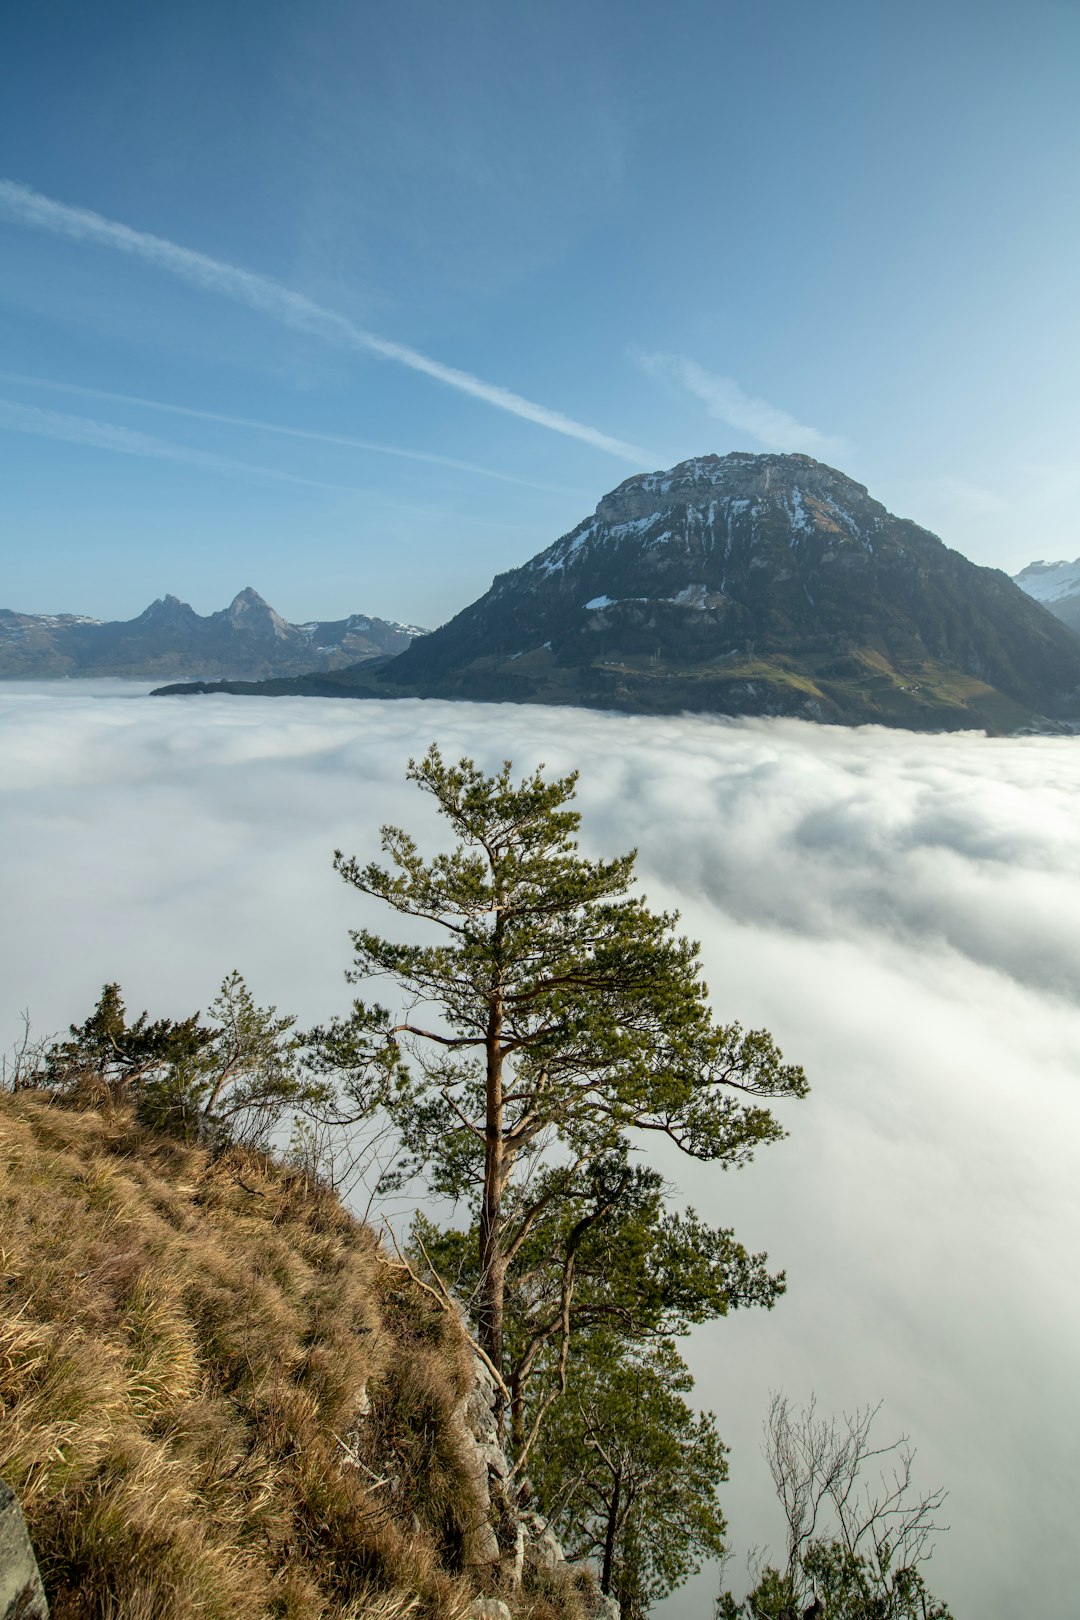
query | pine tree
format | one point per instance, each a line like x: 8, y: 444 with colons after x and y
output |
x: 550, y: 1016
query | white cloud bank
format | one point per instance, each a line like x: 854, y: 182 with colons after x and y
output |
x: 726, y: 402
x: 24, y: 206
x: 903, y: 912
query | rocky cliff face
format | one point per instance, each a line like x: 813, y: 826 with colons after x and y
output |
x: 514, y: 1543
x: 245, y: 641
x: 755, y: 584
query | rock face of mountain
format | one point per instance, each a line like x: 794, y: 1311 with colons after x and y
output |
x: 1057, y: 586
x: 245, y: 641
x: 755, y: 584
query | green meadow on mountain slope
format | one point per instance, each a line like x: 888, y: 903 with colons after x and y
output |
x: 746, y: 584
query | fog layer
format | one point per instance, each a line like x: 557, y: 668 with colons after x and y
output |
x: 902, y: 912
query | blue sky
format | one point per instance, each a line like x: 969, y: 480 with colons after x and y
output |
x: 537, y: 249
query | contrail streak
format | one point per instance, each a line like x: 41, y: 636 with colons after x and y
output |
x: 43, y: 424
x: 26, y: 207
x: 727, y: 402
x: 276, y: 427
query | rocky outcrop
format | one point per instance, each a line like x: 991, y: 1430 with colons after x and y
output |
x: 22, y: 1596
x: 496, y: 1540
x: 542, y: 1548
x: 511, y: 1541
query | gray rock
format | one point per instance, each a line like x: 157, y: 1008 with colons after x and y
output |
x: 543, y: 1550
x: 512, y: 1560
x: 489, y: 1609
x: 22, y: 1596
x: 604, y: 1608
x: 479, y: 1418
x: 484, y: 1461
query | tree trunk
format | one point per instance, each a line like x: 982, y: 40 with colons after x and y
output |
x: 609, y: 1538
x: 517, y: 1416
x: 492, y: 1261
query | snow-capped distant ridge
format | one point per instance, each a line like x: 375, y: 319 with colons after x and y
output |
x: 1056, y: 585
x: 362, y: 623
x: 1050, y: 581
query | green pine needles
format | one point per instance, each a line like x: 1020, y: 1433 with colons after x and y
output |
x: 568, y: 1016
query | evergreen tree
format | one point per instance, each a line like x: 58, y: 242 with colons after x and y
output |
x: 229, y: 1079
x: 631, y: 1472
x: 604, y: 1255
x: 549, y: 1015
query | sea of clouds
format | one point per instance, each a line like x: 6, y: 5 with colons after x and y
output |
x: 903, y: 912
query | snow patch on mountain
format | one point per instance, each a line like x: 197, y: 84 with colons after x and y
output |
x: 797, y: 512
x: 701, y: 504
x: 1050, y: 582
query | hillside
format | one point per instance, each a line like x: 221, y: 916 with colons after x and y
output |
x: 246, y: 640
x: 748, y: 584
x: 221, y: 1398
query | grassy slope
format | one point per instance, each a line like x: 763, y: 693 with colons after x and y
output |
x: 861, y: 688
x: 185, y: 1343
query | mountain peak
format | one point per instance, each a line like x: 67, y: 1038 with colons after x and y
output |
x: 1056, y: 585
x: 166, y: 610
x: 250, y: 612
x: 761, y: 584
x: 739, y: 475
x: 663, y: 525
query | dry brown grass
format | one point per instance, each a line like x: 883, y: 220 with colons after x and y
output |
x: 559, y: 1594
x: 185, y: 1343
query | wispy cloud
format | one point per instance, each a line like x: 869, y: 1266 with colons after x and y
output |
x: 727, y: 402
x: 85, y: 430
x: 276, y: 427
x: 972, y: 499
x: 26, y: 207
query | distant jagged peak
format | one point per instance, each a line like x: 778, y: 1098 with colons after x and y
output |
x: 251, y: 612
x: 1043, y: 567
x: 166, y: 610
x: 246, y: 640
x: 248, y: 601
